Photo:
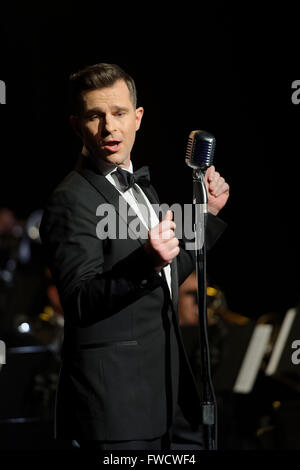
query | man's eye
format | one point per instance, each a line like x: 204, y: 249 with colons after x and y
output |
x: 93, y: 117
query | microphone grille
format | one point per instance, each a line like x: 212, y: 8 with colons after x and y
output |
x: 200, y: 149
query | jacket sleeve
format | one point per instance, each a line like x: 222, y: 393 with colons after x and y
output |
x: 76, y: 260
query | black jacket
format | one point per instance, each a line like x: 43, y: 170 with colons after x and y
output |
x: 124, y: 367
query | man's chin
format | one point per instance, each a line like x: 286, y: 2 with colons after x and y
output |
x: 117, y: 159
x: 110, y: 158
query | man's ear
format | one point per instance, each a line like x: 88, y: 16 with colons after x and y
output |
x: 74, y: 121
x: 138, y: 117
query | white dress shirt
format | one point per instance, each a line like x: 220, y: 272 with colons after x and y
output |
x: 111, y: 176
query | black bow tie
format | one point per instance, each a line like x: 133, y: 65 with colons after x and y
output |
x: 140, y: 177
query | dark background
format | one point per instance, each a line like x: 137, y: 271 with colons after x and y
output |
x: 220, y: 67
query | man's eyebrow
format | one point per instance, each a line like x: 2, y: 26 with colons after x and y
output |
x: 99, y: 110
x: 93, y: 110
x: 120, y: 108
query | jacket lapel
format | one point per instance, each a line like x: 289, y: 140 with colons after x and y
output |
x: 111, y: 195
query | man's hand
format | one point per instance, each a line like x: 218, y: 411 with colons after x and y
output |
x: 162, y: 245
x: 217, y: 190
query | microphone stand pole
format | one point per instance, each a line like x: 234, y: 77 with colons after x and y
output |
x: 208, y: 404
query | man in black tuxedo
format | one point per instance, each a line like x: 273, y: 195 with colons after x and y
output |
x: 125, y: 377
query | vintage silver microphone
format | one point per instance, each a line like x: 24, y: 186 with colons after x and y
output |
x: 199, y: 156
x: 200, y: 150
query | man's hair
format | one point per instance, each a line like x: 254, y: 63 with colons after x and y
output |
x: 95, y: 77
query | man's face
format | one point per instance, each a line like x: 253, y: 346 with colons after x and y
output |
x: 108, y: 123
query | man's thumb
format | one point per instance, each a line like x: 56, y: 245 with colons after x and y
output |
x: 169, y: 215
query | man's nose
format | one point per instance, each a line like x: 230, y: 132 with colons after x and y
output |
x: 109, y: 124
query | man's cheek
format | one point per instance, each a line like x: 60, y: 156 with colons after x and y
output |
x: 91, y: 137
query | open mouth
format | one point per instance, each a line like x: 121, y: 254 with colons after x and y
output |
x: 112, y: 145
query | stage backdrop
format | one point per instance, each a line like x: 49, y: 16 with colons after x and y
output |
x: 216, y: 68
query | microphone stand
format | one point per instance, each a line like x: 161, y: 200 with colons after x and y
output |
x: 208, y: 404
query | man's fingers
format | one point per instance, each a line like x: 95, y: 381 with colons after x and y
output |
x: 168, y: 258
x: 172, y: 243
x: 160, y: 229
x: 210, y: 173
x: 216, y: 184
x: 167, y: 234
x: 220, y: 187
x: 173, y: 254
x: 164, y: 247
x: 163, y: 243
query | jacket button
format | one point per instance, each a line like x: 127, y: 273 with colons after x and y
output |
x: 144, y: 282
